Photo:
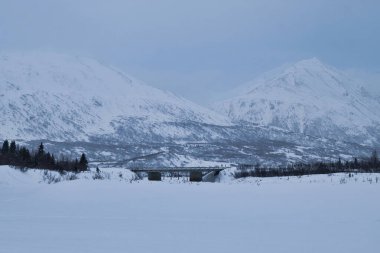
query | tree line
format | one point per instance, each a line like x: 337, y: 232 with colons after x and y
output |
x: 14, y: 155
x: 365, y: 165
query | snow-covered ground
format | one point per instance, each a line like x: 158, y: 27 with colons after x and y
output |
x: 335, y: 213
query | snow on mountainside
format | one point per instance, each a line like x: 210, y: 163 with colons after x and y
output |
x: 60, y: 97
x: 80, y: 105
x: 309, y: 98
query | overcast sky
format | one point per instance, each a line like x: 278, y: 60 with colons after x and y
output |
x: 199, y: 48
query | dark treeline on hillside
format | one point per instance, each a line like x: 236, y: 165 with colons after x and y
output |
x: 371, y: 164
x: 14, y: 155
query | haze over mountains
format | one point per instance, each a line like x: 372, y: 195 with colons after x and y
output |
x: 306, y: 111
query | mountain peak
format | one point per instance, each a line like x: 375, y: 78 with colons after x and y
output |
x: 310, y: 66
x: 309, y: 62
x: 63, y: 97
x: 308, y: 97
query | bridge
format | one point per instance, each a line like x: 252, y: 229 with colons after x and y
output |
x: 195, y: 174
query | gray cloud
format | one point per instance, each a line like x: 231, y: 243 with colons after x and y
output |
x: 193, y: 46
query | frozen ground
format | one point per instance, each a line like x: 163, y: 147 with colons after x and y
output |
x: 310, y: 214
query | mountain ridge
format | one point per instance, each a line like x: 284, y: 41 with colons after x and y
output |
x: 60, y: 97
x: 79, y: 104
x: 308, y: 97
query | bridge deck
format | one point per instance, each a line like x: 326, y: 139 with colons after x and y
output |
x: 180, y: 169
x: 195, y: 174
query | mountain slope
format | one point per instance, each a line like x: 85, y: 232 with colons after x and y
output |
x: 78, y: 104
x: 308, y: 98
x: 59, y: 97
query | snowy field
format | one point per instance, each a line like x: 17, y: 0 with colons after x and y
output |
x: 334, y: 213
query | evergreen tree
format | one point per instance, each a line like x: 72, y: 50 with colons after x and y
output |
x: 25, y: 155
x: 12, y: 147
x: 356, y: 163
x: 5, y: 148
x: 83, y: 163
x: 41, y: 150
x: 339, y: 164
x: 374, y: 159
x: 52, y: 161
x: 21, y: 157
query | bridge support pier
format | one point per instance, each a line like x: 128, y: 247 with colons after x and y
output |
x: 196, y: 176
x: 154, y: 176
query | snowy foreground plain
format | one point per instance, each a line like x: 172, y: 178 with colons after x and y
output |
x: 324, y: 213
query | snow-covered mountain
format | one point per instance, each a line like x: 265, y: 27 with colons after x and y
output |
x: 79, y: 105
x: 65, y: 98
x: 310, y: 98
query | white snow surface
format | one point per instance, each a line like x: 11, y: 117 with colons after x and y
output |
x: 307, y: 97
x: 334, y: 213
x: 61, y: 97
